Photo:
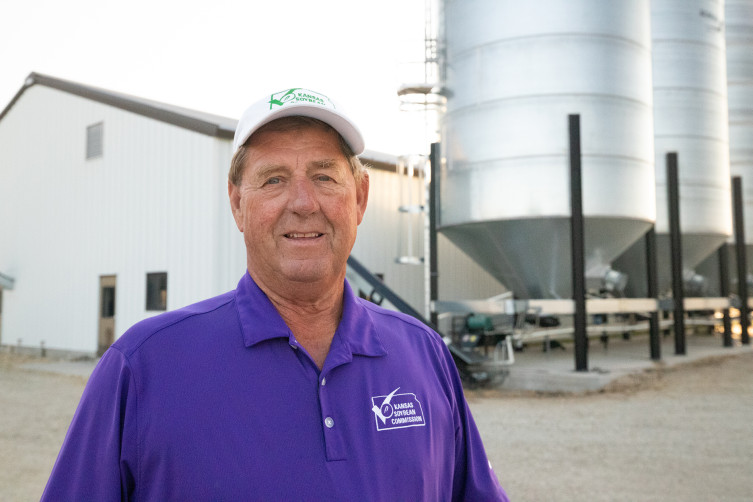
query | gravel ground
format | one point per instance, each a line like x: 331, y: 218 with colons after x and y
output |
x: 684, y: 433
x: 35, y: 410
x: 677, y: 434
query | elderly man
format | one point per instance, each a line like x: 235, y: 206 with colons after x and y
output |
x: 289, y: 387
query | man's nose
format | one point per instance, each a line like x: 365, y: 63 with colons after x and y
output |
x: 303, y: 197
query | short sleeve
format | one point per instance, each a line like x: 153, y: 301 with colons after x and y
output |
x: 98, y: 460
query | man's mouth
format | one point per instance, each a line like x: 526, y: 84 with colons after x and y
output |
x: 303, y: 235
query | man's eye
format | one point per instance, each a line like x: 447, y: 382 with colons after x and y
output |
x: 323, y: 177
x: 272, y: 181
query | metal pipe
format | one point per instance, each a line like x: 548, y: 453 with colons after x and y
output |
x: 386, y: 292
x: 742, y: 279
x: 435, y: 157
x: 675, y: 240
x: 653, y: 292
x: 577, y: 247
x: 566, y: 333
x: 723, y: 255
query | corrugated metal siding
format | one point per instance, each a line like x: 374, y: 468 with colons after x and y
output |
x: 229, y: 247
x: 149, y: 204
x: 461, y: 278
x: 376, y: 246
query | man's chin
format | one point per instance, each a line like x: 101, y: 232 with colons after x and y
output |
x: 300, y: 274
x: 309, y: 273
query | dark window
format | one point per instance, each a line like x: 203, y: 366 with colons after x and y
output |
x: 108, y: 302
x: 156, y: 291
x: 94, y: 134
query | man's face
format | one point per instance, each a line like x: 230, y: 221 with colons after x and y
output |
x: 298, y: 206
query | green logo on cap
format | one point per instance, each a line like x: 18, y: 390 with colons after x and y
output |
x: 298, y: 95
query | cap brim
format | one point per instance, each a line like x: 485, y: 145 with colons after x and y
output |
x: 339, y: 122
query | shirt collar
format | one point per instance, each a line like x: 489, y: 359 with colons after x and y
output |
x: 357, y: 327
x: 260, y: 321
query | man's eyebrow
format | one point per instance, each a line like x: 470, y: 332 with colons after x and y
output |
x: 323, y: 164
x: 269, y: 169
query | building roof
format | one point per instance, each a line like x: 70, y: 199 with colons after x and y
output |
x: 204, y: 123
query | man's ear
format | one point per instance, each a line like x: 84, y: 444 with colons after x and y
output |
x: 234, y: 194
x: 362, y: 195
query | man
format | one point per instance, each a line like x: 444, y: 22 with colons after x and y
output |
x: 289, y: 387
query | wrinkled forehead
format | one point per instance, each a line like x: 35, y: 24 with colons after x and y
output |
x: 294, y: 123
x: 295, y: 147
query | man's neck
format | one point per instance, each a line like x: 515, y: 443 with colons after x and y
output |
x: 313, y: 319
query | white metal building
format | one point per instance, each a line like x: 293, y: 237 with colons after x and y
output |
x: 114, y: 208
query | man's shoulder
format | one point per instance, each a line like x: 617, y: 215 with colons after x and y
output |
x: 182, y: 319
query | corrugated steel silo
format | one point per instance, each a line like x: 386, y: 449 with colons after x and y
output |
x: 690, y: 118
x: 739, y: 37
x: 513, y: 71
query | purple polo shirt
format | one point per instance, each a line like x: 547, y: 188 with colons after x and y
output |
x: 218, y: 401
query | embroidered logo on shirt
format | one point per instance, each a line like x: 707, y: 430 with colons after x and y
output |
x: 397, y: 411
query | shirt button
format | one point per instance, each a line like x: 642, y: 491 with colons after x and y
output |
x: 329, y: 422
x: 324, y: 382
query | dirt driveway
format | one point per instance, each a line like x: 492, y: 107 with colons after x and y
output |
x: 671, y: 435
x: 680, y: 434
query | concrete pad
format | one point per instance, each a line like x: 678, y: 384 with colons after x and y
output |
x: 554, y: 371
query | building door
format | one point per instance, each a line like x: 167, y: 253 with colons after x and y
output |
x: 106, y: 313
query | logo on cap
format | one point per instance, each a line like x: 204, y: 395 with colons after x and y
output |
x: 298, y: 95
x: 397, y: 411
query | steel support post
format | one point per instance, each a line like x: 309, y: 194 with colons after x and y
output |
x: 435, y: 157
x: 675, y: 241
x: 742, y: 266
x: 577, y: 247
x: 653, y: 292
x: 723, y: 255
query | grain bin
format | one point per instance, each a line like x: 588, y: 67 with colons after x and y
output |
x: 512, y: 72
x: 690, y: 118
x: 739, y: 38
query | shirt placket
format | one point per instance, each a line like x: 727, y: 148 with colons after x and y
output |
x: 332, y: 421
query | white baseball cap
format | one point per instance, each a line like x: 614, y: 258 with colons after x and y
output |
x: 297, y: 101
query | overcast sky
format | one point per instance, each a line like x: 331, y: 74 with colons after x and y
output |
x: 218, y: 56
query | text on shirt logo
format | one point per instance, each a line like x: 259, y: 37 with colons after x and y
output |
x: 397, y: 411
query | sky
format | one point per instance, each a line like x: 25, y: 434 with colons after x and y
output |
x: 220, y: 56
